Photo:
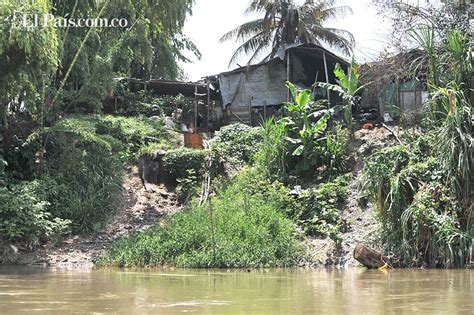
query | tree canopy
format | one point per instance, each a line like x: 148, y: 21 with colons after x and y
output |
x: 285, y: 22
x: 35, y: 60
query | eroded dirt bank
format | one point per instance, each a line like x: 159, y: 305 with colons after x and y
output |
x: 359, y: 214
x: 137, y: 209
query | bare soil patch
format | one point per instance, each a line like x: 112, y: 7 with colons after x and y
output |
x: 137, y: 210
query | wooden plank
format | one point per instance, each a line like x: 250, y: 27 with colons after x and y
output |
x: 288, y: 68
x: 326, y: 71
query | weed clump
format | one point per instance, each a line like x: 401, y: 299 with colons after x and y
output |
x: 24, y: 215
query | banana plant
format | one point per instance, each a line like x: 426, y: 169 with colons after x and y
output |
x: 347, y: 87
x: 308, y: 130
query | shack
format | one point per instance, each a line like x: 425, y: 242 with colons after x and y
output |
x: 196, y: 108
x: 397, y: 84
x: 248, y: 94
x: 255, y: 91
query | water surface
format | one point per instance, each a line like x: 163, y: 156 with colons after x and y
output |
x: 37, y: 291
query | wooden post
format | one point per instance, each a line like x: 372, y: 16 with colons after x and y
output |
x: 288, y: 77
x: 326, y: 71
x: 250, y: 110
x: 208, y: 105
x: 195, y: 108
x: 264, y: 110
x: 398, y: 98
x: 211, y: 215
x: 414, y: 91
x: 316, y: 77
x: 2, y: 166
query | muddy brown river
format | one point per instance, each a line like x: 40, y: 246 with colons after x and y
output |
x: 356, y: 291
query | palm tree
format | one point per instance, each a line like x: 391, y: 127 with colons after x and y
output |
x: 284, y: 22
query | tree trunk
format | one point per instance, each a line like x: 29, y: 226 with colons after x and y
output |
x: 369, y: 257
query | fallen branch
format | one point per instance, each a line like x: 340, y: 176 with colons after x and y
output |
x: 393, y: 133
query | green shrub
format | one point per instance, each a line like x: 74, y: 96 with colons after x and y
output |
x: 378, y: 170
x: 251, y: 181
x: 334, y: 153
x: 179, y: 163
x: 422, y: 220
x: 125, y: 136
x: 318, y: 212
x: 455, y: 148
x: 249, y: 232
x: 154, y: 148
x: 272, y: 156
x: 302, y: 144
x: 84, y: 184
x: 84, y: 164
x: 237, y: 144
x: 431, y: 233
x: 24, y: 215
x: 20, y: 157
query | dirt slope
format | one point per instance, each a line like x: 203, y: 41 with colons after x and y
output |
x: 137, y: 210
x: 361, y: 217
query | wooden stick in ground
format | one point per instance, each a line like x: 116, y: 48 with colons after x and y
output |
x: 206, y: 183
x: 211, y: 215
x: 392, y: 132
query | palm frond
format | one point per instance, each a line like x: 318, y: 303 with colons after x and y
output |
x: 332, y: 39
x: 259, y: 6
x: 285, y: 22
x: 334, y: 12
x: 243, y: 31
x: 254, y: 44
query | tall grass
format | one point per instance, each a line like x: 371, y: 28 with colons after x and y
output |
x: 245, y: 231
x: 272, y: 155
x: 84, y: 165
x: 423, y: 222
x: 455, y: 143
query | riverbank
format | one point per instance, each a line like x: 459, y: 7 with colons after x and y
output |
x: 139, y: 210
x: 357, y: 211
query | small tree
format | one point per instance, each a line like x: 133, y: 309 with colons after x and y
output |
x: 348, y: 88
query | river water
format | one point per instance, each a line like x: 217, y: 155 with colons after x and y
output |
x: 30, y: 290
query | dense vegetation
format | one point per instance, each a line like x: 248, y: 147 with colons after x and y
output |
x: 57, y: 170
x: 254, y: 193
x: 250, y: 219
x: 78, y: 170
x: 234, y: 229
x: 424, y: 188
